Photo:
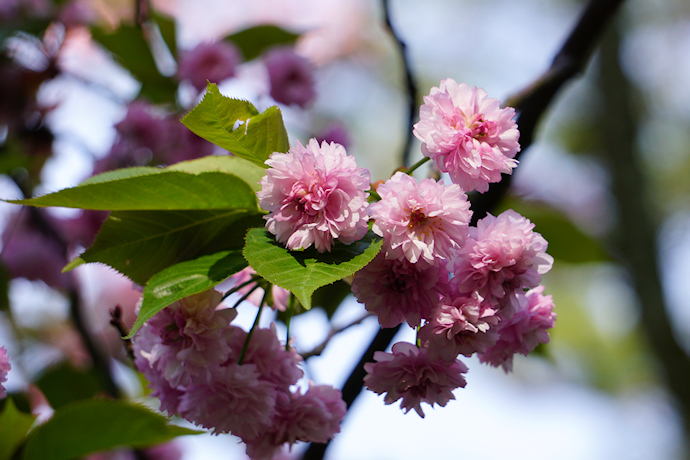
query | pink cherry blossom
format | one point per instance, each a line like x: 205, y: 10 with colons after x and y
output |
x: 398, y: 290
x: 524, y: 331
x: 5, y: 368
x: 409, y: 374
x: 291, y: 77
x: 234, y: 399
x: 468, y: 134
x: 314, y: 195
x: 214, y: 62
x: 194, y: 336
x: 502, y: 254
x: 423, y: 222
x: 461, y: 325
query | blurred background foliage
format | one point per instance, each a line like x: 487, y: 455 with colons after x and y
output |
x: 605, y: 182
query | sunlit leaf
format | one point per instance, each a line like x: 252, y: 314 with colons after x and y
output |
x: 237, y: 126
x: 14, y: 425
x: 85, y: 427
x: 303, y: 272
x: 248, y: 171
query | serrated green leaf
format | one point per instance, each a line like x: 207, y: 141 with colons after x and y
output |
x: 248, y: 171
x: 85, y: 427
x: 130, y: 48
x: 14, y: 425
x: 255, y: 40
x: 217, y: 119
x: 153, y: 189
x: 303, y: 272
x: 185, y: 279
x: 140, y: 244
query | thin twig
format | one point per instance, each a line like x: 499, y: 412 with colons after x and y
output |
x: 410, y: 86
x: 117, y: 322
x: 316, y: 351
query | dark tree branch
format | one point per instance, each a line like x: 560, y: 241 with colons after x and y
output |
x: 532, y: 102
x: 410, y: 86
x: 635, y: 239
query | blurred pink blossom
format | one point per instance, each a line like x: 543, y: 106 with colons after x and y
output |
x: 409, y: 374
x: 5, y: 368
x: 468, y: 134
x: 290, y: 76
x: 420, y: 221
x: 314, y: 195
x: 212, y: 61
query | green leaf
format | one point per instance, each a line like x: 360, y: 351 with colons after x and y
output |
x: 14, y: 426
x: 303, y: 272
x: 255, y: 40
x: 185, y: 279
x: 153, y: 189
x: 130, y: 48
x: 140, y: 244
x: 63, y: 384
x: 237, y: 126
x: 85, y: 427
x: 248, y: 171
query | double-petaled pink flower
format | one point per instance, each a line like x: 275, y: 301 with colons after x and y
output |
x: 468, y: 134
x: 423, y: 222
x: 527, y: 328
x: 409, y: 374
x: 314, y: 195
x: 502, y: 255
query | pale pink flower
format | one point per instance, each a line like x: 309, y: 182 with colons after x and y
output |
x: 408, y: 374
x: 291, y: 77
x: 234, y: 399
x: 314, y: 195
x: 5, y: 368
x: 215, y: 62
x: 462, y: 324
x: 468, y: 134
x: 398, y: 290
x: 502, y: 255
x: 311, y: 417
x: 524, y: 331
x: 420, y: 221
x: 194, y: 336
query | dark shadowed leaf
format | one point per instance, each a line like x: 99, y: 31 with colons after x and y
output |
x: 303, y: 272
x: 255, y: 40
x: 140, y: 244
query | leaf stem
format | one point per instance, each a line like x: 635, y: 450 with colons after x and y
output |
x: 251, y: 331
x: 412, y: 168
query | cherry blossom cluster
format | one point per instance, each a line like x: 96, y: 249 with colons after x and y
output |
x: 466, y: 289
x: 221, y: 377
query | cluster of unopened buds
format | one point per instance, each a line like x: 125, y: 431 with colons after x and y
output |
x: 465, y: 289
